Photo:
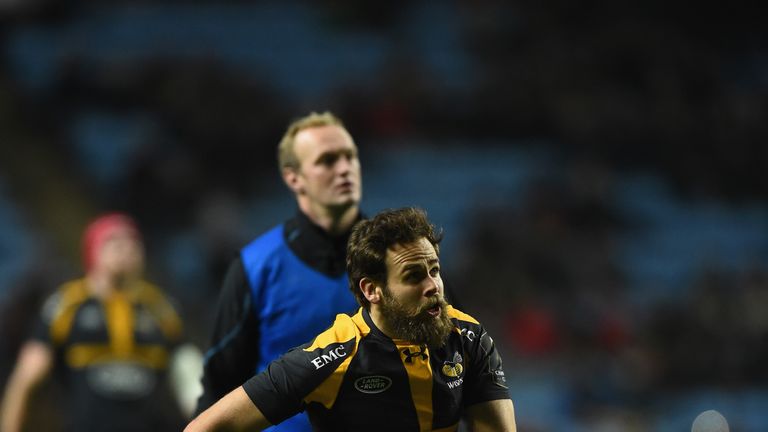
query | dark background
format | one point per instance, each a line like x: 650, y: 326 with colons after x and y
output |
x: 598, y: 170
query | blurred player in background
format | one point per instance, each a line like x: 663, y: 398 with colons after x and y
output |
x: 111, y: 334
x: 406, y: 361
x: 287, y: 285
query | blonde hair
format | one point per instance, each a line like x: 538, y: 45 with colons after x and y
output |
x: 286, y: 157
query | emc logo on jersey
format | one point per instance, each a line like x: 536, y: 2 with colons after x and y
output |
x: 333, y: 354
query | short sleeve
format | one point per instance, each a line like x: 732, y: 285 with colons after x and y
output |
x: 41, y: 326
x: 280, y: 390
x: 486, y: 380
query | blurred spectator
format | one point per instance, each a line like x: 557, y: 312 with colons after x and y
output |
x: 111, y: 334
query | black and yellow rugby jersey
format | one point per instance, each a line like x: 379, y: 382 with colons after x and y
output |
x: 352, y: 377
x: 114, y: 354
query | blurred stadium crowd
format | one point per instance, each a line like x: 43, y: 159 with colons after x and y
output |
x: 598, y: 170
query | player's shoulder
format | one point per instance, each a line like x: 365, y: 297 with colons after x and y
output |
x: 466, y: 325
x: 73, y: 289
x: 267, y: 244
x: 162, y: 306
x: 343, y: 330
x: 461, y: 317
x: 330, y: 349
x: 268, y: 239
x: 67, y: 295
x: 151, y: 294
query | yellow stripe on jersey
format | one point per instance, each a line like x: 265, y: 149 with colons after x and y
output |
x: 73, y: 294
x: 420, y: 380
x: 327, y: 392
x: 461, y: 316
x: 83, y: 355
x: 360, y: 323
x: 119, y: 312
x: 155, y: 356
x: 342, y: 330
x: 158, y: 306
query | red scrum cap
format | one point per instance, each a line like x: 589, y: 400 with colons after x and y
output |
x: 100, y: 229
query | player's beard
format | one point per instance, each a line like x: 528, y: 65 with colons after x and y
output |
x: 419, y: 327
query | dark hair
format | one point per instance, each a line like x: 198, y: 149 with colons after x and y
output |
x: 370, y: 239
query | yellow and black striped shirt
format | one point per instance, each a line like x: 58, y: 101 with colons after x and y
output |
x: 115, y: 353
x: 352, y: 377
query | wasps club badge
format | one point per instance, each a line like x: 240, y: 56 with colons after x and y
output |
x: 453, y: 369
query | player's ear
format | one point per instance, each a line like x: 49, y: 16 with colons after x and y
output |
x: 370, y: 290
x: 293, y: 180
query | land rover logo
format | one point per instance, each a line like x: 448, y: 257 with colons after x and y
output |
x: 372, y: 384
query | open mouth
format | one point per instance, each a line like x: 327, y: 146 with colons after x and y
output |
x: 434, y: 310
